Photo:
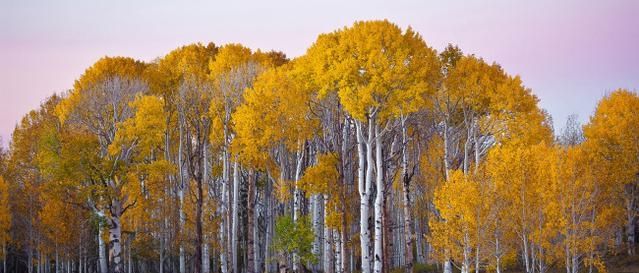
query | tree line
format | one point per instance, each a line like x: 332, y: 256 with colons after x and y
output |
x: 371, y: 153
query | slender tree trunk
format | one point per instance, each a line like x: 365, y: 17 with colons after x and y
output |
x: 205, y: 257
x: 57, y: 260
x: 477, y: 258
x: 269, y: 227
x: 236, y: 197
x: 446, y: 164
x: 498, y: 264
x: 80, y: 261
x: 364, y: 182
x: 328, y: 268
x: 316, y: 212
x: 4, y: 258
x: 343, y: 251
x: 297, y: 197
x: 419, y: 244
x: 525, y: 255
x: 29, y: 258
x: 224, y: 212
x: 379, y: 201
x: 567, y: 257
x: 347, y: 179
x: 181, y: 187
x: 630, y: 232
x: 250, y: 266
x: 389, y: 245
x: 171, y: 178
x: 408, y: 234
x: 161, y: 261
x: 128, y: 254
x: 448, y: 268
x: 338, y: 252
x: 256, y: 235
x: 198, y: 230
x: 115, y: 236
x: 199, y: 235
x: 533, y: 263
x: 466, y: 253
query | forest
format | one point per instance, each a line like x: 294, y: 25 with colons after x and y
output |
x: 372, y: 152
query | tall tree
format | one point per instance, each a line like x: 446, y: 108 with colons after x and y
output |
x: 5, y: 221
x: 99, y: 103
x: 612, y: 133
x: 379, y: 73
x: 233, y: 71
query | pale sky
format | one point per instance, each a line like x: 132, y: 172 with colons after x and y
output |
x: 570, y: 53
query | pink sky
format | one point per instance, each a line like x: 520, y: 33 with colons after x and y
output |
x: 569, y: 52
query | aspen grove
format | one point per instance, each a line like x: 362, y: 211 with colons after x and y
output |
x: 371, y: 153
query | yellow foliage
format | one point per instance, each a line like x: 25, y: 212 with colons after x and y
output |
x: 613, y: 133
x: 376, y: 68
x: 97, y: 80
x: 275, y: 111
x: 5, y: 213
x: 145, y: 129
x: 322, y: 177
x: 283, y: 189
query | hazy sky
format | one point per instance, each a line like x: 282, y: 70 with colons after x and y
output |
x: 570, y: 53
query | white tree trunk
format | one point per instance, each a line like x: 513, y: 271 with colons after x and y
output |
x: 448, y: 267
x: 115, y: 237
x: 446, y: 164
x: 379, y: 201
x: 182, y: 216
x: 297, y: 197
x: 338, y: 252
x: 269, y: 226
x: 80, y: 261
x: 364, y: 188
x: 223, y: 212
x: 236, y: 196
x: 317, y: 224
x: 465, y: 268
x: 101, y: 250
x: 477, y: 259
x: 525, y: 254
x: 206, y: 264
x: 408, y: 234
x: 327, y: 241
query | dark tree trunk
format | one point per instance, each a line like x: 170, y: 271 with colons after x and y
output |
x: 250, y: 268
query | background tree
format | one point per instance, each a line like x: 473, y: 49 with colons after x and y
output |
x: 5, y: 221
x: 99, y: 103
x: 612, y: 135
